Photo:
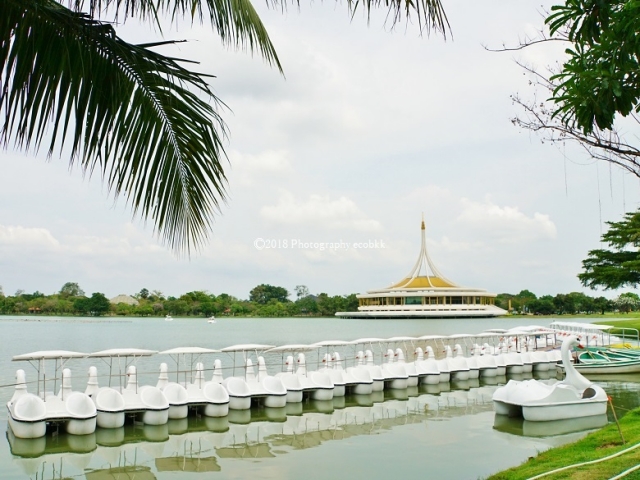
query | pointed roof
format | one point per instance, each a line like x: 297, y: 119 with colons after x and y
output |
x: 424, y: 273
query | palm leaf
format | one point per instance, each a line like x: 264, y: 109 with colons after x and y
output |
x: 127, y: 111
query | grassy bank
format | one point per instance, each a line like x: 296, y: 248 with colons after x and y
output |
x: 596, y: 445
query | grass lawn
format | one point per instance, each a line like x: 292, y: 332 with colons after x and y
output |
x: 594, y: 446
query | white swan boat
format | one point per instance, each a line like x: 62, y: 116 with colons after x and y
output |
x: 291, y: 382
x: 239, y: 391
x: 574, y: 397
x: 427, y: 369
x: 27, y: 412
x: 317, y: 383
x: 269, y: 389
x: 109, y: 402
x: 147, y: 402
x: 195, y: 391
x: 357, y: 378
x: 395, y: 375
x: 30, y: 413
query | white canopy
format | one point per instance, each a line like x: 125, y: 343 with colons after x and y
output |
x: 188, y: 350
x: 431, y: 337
x: 48, y: 355
x: 461, y: 335
x: 368, y: 340
x: 246, y: 347
x: 123, y: 352
x: 401, y: 339
x: 331, y: 343
x: 293, y: 348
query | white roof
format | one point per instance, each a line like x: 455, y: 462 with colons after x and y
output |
x: 331, y: 343
x: 245, y: 347
x: 48, y: 355
x: 293, y: 348
x: 401, y: 339
x: 430, y: 337
x: 185, y: 350
x: 460, y: 335
x: 368, y: 340
x: 123, y: 352
x: 495, y: 330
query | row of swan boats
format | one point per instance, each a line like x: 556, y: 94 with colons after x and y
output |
x: 80, y: 412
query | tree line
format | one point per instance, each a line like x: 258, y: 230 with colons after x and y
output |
x: 527, y: 303
x: 264, y: 301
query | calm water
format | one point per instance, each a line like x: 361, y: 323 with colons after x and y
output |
x: 421, y: 431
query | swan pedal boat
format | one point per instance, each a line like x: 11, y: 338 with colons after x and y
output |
x: 29, y: 414
x: 574, y: 397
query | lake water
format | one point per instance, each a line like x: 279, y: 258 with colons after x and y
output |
x: 450, y: 433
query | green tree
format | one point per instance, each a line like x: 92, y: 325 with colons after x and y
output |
x: 597, y: 82
x: 99, y: 304
x: 602, y: 304
x: 264, y: 293
x: 145, y: 122
x: 71, y: 289
x: 619, y: 265
x: 144, y: 293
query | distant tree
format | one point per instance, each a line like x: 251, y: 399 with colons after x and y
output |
x: 620, y: 265
x: 301, y: 291
x: 157, y: 295
x: 602, y: 304
x: 264, y: 293
x: 71, y: 289
x: 99, y: 304
x: 307, y: 305
x: 82, y: 306
x: 144, y: 293
x: 542, y: 306
x: 351, y: 303
x: 19, y: 293
x: 96, y: 305
x: 1, y: 291
x: 627, y: 302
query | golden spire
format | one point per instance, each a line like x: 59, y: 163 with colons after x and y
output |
x: 422, y: 228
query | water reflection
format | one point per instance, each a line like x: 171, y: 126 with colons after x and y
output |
x: 519, y: 426
x: 203, y: 444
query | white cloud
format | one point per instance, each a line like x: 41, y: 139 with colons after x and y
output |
x: 27, y: 237
x: 248, y: 168
x: 506, y: 224
x: 322, y: 211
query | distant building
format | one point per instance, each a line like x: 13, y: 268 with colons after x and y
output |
x: 425, y: 293
x: 124, y: 299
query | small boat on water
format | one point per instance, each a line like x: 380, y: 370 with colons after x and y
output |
x: 168, y: 318
x: 30, y: 413
x: 598, y: 360
x: 211, y: 319
x: 535, y: 400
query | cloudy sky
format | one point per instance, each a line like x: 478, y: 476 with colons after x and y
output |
x: 369, y: 129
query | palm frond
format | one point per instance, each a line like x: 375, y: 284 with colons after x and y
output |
x: 236, y: 21
x: 143, y: 121
x: 430, y: 13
